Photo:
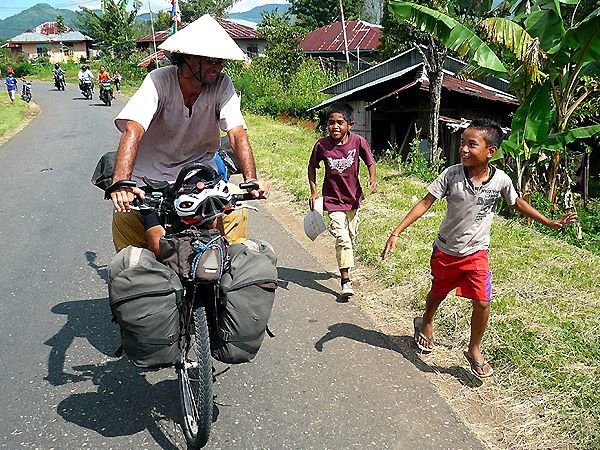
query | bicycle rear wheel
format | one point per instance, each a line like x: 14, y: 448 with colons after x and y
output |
x: 195, y: 384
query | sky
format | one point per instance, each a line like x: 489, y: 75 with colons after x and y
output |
x: 12, y: 7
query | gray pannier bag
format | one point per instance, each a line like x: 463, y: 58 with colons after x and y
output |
x: 246, y: 297
x: 145, y: 297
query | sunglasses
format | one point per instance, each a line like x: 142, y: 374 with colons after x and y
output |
x: 214, y: 61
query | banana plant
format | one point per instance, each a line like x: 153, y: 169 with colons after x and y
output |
x: 552, y: 67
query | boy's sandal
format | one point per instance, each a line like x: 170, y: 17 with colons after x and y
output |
x: 420, y: 337
x: 478, y: 365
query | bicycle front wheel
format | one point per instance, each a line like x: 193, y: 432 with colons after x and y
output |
x: 195, y: 384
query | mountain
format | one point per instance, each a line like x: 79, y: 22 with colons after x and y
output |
x: 32, y: 17
x: 255, y: 14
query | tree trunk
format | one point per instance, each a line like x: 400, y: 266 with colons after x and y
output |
x: 553, y: 176
x: 437, y: 55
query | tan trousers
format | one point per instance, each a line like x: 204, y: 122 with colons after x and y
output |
x: 343, y: 225
x: 127, y: 229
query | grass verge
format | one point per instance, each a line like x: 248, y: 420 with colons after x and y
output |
x: 11, y: 116
x: 542, y: 338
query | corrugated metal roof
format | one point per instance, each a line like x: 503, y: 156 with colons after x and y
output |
x: 72, y: 36
x: 399, y: 63
x: 330, y: 38
x: 235, y: 30
x: 451, y: 83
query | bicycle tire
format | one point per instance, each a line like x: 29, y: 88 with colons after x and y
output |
x: 196, y: 385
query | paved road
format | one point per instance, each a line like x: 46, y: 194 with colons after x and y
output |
x: 329, y: 380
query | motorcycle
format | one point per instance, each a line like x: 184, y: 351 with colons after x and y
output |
x: 26, y: 92
x: 106, y: 92
x: 59, y: 81
x: 86, y: 89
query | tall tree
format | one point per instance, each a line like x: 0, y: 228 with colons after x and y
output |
x: 283, y: 55
x: 398, y: 35
x: 312, y: 14
x: 114, y: 28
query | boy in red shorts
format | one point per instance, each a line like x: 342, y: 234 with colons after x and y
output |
x: 460, y: 253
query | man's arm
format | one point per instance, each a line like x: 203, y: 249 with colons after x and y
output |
x: 238, y: 139
x: 126, y: 153
x: 527, y: 210
x: 416, y: 212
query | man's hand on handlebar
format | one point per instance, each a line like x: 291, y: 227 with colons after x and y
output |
x: 123, y: 196
x: 263, y: 191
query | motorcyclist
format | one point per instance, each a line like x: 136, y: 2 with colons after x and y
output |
x: 57, y: 72
x: 85, y: 74
x: 103, y: 75
x: 166, y: 125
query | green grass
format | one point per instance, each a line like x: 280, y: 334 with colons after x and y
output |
x: 11, y: 116
x: 543, y: 336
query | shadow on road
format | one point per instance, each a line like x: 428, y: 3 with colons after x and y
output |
x: 305, y: 278
x: 401, y: 344
x: 124, y: 404
x: 102, y: 271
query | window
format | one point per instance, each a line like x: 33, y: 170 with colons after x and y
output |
x: 43, y: 49
x: 252, y: 50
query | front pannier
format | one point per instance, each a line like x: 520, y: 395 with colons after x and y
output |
x: 246, y: 297
x: 145, y: 296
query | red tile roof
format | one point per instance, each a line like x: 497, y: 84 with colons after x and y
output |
x: 330, y: 38
x: 235, y: 30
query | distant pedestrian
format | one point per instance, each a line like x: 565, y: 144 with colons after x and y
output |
x: 460, y: 252
x: 341, y: 152
x: 9, y: 69
x: 11, y: 86
x: 117, y: 80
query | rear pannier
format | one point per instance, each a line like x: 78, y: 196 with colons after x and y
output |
x: 246, y: 297
x: 145, y: 297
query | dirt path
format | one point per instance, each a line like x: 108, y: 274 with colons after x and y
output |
x: 490, y: 412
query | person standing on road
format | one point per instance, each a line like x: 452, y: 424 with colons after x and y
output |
x: 117, y: 80
x: 460, y: 252
x: 11, y: 86
x: 174, y: 119
x: 342, y: 193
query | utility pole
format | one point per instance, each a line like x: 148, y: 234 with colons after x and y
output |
x: 153, y: 34
x: 345, y: 35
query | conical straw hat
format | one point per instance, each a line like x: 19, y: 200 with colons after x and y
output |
x: 203, y: 37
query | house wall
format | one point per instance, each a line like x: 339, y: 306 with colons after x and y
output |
x: 362, y: 119
x: 55, y: 54
x: 245, y: 44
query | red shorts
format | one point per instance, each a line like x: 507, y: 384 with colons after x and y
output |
x: 469, y: 275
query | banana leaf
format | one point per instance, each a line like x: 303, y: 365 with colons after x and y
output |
x: 583, y: 41
x: 546, y: 24
x: 558, y: 141
x: 451, y: 33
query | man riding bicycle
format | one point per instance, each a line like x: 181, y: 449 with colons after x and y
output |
x: 175, y: 118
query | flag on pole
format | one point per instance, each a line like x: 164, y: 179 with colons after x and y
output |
x: 175, y: 16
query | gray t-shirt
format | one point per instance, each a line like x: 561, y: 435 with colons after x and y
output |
x: 174, y: 135
x: 466, y: 227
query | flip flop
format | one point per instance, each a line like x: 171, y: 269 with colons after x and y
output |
x: 478, y: 365
x: 418, y: 323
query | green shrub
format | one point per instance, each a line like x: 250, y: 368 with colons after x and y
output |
x: 264, y: 92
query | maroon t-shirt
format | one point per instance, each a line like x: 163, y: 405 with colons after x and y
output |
x: 341, y: 187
